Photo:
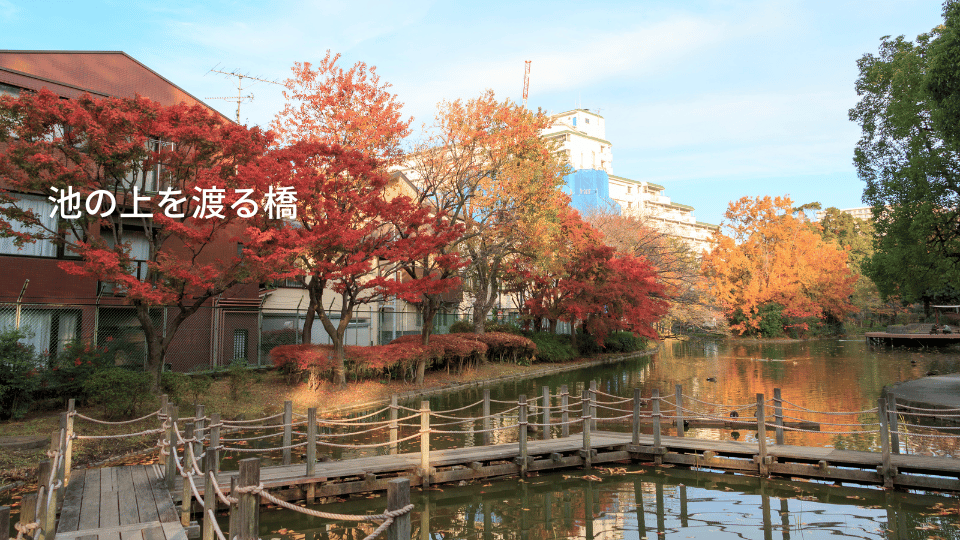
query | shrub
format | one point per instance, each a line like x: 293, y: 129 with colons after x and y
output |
x: 461, y: 327
x: 197, y: 384
x: 587, y: 344
x: 624, y: 342
x: 119, y: 391
x: 385, y: 360
x: 316, y: 361
x: 552, y: 347
x: 173, y: 384
x: 502, y: 327
x: 451, y: 349
x: 502, y: 346
x: 79, y: 361
x: 18, y: 375
x: 238, y: 377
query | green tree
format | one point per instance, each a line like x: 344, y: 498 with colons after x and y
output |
x: 856, y: 236
x: 909, y: 164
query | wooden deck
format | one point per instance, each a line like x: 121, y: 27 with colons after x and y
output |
x: 368, y: 474
x: 118, y: 503
x: 912, y: 340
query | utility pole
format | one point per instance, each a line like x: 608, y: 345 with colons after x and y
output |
x: 526, y: 81
x: 240, y: 98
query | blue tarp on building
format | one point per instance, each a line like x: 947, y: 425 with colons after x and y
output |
x: 589, y: 190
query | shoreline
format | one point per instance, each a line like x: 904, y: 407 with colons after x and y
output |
x: 436, y: 388
x: 533, y: 374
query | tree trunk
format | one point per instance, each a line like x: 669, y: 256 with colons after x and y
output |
x: 430, y: 308
x: 154, y: 361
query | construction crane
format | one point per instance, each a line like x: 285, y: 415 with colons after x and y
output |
x: 526, y: 82
x: 240, y: 98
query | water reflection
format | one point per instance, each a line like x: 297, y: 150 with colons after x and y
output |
x: 824, y: 375
x: 638, y: 503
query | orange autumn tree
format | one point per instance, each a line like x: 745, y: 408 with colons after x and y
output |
x: 348, y: 108
x: 774, y: 264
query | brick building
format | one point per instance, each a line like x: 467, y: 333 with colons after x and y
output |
x: 56, y: 307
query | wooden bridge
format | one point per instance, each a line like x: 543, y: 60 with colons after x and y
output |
x: 522, y: 438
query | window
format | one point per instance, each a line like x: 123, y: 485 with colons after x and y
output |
x: 574, y: 121
x: 148, y: 178
x: 49, y: 331
x: 42, y: 209
x: 586, y: 120
x: 240, y: 336
x: 7, y: 90
x: 629, y: 189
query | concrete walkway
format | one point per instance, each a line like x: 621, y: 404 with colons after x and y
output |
x: 940, y: 391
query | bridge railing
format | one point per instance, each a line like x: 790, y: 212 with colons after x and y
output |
x: 200, y: 441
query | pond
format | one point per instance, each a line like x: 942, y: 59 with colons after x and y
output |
x: 827, y: 376
x: 641, y: 502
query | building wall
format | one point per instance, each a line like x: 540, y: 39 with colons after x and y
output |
x: 582, y: 137
x: 51, y: 289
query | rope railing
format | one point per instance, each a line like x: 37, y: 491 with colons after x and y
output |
x: 77, y: 414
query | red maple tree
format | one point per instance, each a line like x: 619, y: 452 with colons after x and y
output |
x: 132, y: 148
x: 351, y: 236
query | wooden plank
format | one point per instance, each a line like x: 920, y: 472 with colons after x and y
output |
x: 118, y: 529
x: 146, y: 505
x: 70, y: 513
x: 164, y: 503
x: 129, y: 514
x: 90, y: 504
x: 153, y: 533
x: 172, y: 531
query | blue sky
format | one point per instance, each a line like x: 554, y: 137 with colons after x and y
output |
x: 713, y: 99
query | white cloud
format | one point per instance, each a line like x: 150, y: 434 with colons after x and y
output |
x: 7, y: 10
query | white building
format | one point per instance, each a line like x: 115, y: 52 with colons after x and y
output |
x: 582, y: 137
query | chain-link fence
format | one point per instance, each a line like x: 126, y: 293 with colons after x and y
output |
x: 213, y: 336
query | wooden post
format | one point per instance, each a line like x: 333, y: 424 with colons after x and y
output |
x: 214, y: 444
x: 164, y: 401
x: 486, y: 417
x: 679, y: 400
x: 546, y: 412
x: 593, y: 405
x: 636, y: 416
x: 209, y: 496
x: 46, y: 502
x: 778, y: 414
x: 398, y: 496
x: 248, y: 522
x: 585, y: 415
x: 234, y: 524
x: 311, y: 441
x: 522, y: 433
x: 893, y: 423
x: 564, y: 411
x: 424, y: 441
x: 28, y: 509
x: 187, y: 500
x: 61, y: 449
x: 4, y: 523
x: 199, y: 424
x: 394, y: 448
x: 762, y: 436
x: 287, y: 430
x: 657, y: 443
x: 68, y: 447
x: 885, y: 470
x: 170, y: 472
x: 56, y: 494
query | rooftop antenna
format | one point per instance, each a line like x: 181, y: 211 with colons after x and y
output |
x: 240, y: 98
